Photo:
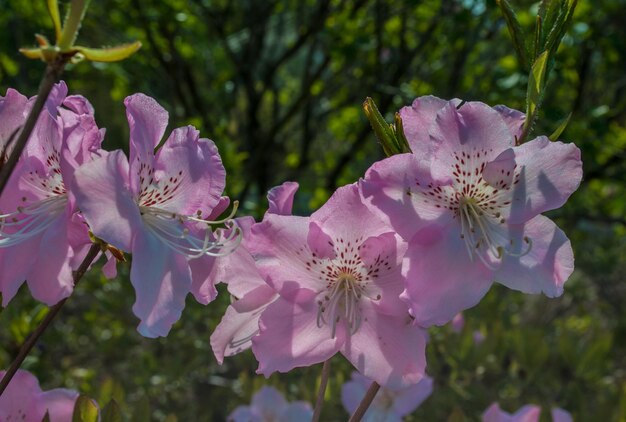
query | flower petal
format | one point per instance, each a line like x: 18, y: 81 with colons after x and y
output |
x: 240, y: 323
x: 560, y: 415
x: 441, y: 279
x: 298, y: 411
x: 59, y: 403
x: 193, y: 170
x: 514, y: 119
x: 147, y: 121
x: 548, y: 264
x: 50, y: 279
x: 387, y: 349
x: 409, y: 399
x: 12, y: 115
x: 279, y: 247
x: 103, y: 196
x: 289, y: 336
x: 392, y: 189
x: 320, y: 243
x: 280, y: 198
x: 417, y: 118
x: 162, y: 279
x: 474, y: 128
x: 268, y: 402
x: 549, y: 173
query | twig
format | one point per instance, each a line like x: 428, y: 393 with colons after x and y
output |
x: 32, y: 339
x: 322, y: 390
x: 365, y: 403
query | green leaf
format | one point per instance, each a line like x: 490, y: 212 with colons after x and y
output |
x: 560, y: 25
x: 534, y: 94
x: 111, y: 412
x: 109, y: 54
x: 53, y: 9
x: 85, y: 410
x: 515, y: 29
x: 142, y: 411
x: 555, y: 135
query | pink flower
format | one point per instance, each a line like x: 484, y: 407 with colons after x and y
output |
x: 42, y: 236
x: 24, y: 401
x: 388, y: 405
x: 338, y: 277
x: 528, y: 413
x: 269, y: 405
x: 158, y: 207
x: 240, y: 323
x: 469, y: 200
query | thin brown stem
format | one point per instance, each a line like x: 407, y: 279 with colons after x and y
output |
x: 34, y: 336
x: 322, y: 390
x: 50, y: 77
x: 365, y: 403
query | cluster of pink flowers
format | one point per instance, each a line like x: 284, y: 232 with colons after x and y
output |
x: 419, y: 239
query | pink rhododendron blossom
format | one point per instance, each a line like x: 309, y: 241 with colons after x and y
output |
x: 23, y: 401
x: 240, y: 323
x: 388, y: 405
x: 42, y: 236
x: 469, y: 200
x: 338, y: 277
x: 158, y: 207
x: 269, y: 405
x: 528, y: 413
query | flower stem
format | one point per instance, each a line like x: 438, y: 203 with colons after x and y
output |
x: 365, y: 403
x: 34, y: 336
x: 50, y: 77
x: 322, y: 390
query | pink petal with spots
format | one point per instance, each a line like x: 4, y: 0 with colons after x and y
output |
x: 319, y: 242
x: 543, y: 269
x: 392, y: 189
x: 383, y: 255
x: 441, y: 279
x: 161, y: 279
x: 514, y: 119
x: 387, y: 349
x: 147, y: 121
x: 475, y: 132
x: 103, y: 196
x: 279, y: 247
x: 417, y: 119
x: 241, y: 322
x: 280, y: 198
x: 189, y: 173
x: 290, y: 337
x: 549, y: 172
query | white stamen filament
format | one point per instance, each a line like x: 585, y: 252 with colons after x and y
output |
x: 341, y: 301
x: 480, y: 228
x: 172, y: 229
x: 30, y: 220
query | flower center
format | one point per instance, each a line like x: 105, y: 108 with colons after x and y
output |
x: 30, y: 220
x: 341, y: 301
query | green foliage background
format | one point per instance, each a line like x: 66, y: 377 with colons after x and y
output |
x: 278, y: 85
